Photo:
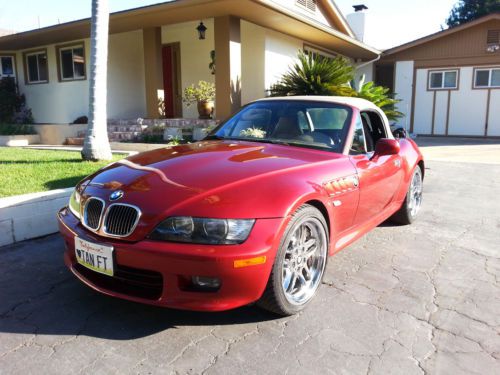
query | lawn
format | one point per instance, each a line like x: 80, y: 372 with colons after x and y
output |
x: 27, y: 171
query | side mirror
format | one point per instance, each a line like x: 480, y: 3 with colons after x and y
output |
x: 386, y: 146
x: 399, y: 133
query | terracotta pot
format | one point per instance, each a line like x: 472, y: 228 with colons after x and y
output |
x: 206, y: 109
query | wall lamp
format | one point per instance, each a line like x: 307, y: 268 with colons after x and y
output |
x: 201, y: 31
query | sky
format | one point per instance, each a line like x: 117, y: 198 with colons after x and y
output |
x: 389, y: 23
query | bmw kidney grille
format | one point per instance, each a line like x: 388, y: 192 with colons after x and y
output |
x: 117, y: 220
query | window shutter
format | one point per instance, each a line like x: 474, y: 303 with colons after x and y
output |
x: 493, y: 37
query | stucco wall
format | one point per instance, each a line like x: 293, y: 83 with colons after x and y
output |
x: 367, y: 70
x: 195, y: 54
x: 63, y: 102
x: 253, y: 62
x: 55, y: 102
x: 280, y: 53
x: 266, y: 56
x: 126, y: 86
x: 403, y: 87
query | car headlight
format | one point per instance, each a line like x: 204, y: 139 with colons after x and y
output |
x: 202, y: 230
x: 74, y: 203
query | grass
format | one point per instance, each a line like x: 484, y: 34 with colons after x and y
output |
x: 28, y: 171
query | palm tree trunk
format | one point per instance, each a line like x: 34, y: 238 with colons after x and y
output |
x: 96, y: 145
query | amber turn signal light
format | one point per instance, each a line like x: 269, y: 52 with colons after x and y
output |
x: 249, y: 262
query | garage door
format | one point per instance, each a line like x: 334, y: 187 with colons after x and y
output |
x: 457, y: 101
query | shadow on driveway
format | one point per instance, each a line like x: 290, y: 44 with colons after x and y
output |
x: 40, y: 296
x: 424, y: 141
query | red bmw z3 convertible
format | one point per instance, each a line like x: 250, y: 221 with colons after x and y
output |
x: 249, y: 214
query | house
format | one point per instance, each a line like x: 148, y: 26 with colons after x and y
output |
x: 156, y: 51
x: 449, y: 82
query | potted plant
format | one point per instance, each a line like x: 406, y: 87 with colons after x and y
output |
x: 203, y: 94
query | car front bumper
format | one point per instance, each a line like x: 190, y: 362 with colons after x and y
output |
x: 159, y: 273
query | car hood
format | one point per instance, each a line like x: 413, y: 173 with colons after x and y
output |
x: 162, y: 181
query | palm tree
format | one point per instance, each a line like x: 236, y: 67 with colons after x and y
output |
x: 96, y: 145
x: 381, y: 97
x: 314, y: 74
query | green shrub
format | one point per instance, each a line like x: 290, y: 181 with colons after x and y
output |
x: 314, y: 74
x: 380, y: 96
x: 13, y: 104
x: 16, y: 129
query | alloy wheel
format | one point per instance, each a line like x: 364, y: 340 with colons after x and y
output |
x: 305, y: 259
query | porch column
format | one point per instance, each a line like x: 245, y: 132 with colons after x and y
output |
x: 153, y: 74
x: 228, y: 70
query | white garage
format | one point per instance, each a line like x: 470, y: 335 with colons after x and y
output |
x: 448, y: 82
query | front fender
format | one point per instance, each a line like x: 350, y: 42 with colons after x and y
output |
x: 411, y: 158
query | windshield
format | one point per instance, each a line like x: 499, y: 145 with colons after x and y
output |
x: 320, y: 125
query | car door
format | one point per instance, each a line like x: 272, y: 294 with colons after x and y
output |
x: 379, y: 176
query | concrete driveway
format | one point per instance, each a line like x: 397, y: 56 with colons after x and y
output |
x: 462, y: 150
x: 403, y: 300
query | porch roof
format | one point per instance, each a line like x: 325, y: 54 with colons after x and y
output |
x: 265, y: 13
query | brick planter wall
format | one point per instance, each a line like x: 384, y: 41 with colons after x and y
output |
x: 126, y: 130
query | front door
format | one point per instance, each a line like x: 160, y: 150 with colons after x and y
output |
x: 172, y: 95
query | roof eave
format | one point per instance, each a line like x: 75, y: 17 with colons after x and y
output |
x: 81, y: 28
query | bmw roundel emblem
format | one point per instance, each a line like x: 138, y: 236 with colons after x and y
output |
x: 115, y: 195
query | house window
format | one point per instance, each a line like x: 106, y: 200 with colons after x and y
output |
x: 308, y: 4
x: 71, y: 62
x: 36, y: 67
x: 485, y: 78
x: 442, y: 80
x: 318, y: 52
x: 6, y: 66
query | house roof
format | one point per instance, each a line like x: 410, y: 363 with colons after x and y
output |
x: 441, y: 34
x: 266, y: 13
x: 336, y: 17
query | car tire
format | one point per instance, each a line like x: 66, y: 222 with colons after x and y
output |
x: 299, y: 264
x: 413, y: 200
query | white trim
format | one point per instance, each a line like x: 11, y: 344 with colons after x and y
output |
x: 13, y: 66
x: 443, y: 73
x: 36, y: 53
x: 72, y: 48
x: 490, y: 75
x: 307, y: 20
x: 321, y: 52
